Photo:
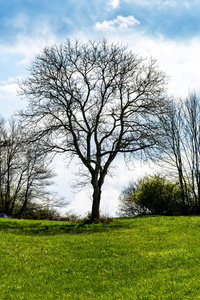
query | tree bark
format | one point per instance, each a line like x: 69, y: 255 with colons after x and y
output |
x: 95, y: 215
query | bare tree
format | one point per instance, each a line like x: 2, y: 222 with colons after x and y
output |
x: 9, y: 158
x: 25, y: 171
x: 192, y: 143
x: 182, y: 146
x: 93, y: 101
x: 173, y: 146
x: 36, y: 175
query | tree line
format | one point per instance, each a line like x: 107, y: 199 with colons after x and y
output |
x: 178, y: 192
x: 94, y: 101
x: 25, y: 174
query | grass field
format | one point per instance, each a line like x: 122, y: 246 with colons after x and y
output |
x: 150, y: 257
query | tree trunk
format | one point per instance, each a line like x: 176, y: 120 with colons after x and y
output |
x: 95, y: 215
x: 24, y: 205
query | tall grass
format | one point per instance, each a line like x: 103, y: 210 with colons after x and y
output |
x: 140, y: 258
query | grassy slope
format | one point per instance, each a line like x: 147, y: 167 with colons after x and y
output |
x: 141, y: 258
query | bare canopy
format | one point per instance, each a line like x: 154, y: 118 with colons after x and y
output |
x: 93, y: 101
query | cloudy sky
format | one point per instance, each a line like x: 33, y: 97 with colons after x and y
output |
x: 167, y: 30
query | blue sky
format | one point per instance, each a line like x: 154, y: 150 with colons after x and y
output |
x: 167, y: 30
x: 174, y: 19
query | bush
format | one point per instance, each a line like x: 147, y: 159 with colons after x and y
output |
x: 37, y: 211
x: 152, y: 195
x: 128, y: 206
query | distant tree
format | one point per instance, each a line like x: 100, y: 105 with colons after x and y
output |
x: 9, y: 166
x: 94, y: 101
x: 181, y: 127
x: 39, y: 211
x: 36, y: 174
x: 25, y: 170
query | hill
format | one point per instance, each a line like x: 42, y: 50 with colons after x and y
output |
x: 149, y: 257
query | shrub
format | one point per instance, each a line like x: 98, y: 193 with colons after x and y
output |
x: 128, y: 206
x: 37, y: 211
x: 154, y: 195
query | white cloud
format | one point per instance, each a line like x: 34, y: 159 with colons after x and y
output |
x: 9, y: 103
x: 146, y: 3
x: 10, y: 80
x: 18, y: 56
x: 120, y: 23
x: 178, y: 59
x: 114, y: 3
x: 30, y: 38
x: 9, y: 89
x: 81, y: 202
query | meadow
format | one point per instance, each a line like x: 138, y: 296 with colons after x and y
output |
x: 149, y: 257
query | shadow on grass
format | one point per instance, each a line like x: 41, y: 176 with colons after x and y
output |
x: 30, y: 227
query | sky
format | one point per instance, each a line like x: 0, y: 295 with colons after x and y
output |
x: 167, y: 30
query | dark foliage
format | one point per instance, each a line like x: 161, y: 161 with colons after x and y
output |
x: 153, y: 195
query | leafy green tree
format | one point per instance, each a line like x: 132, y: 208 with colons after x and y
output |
x: 153, y: 195
x: 128, y: 205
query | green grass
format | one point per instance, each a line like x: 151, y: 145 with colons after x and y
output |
x: 140, y: 258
